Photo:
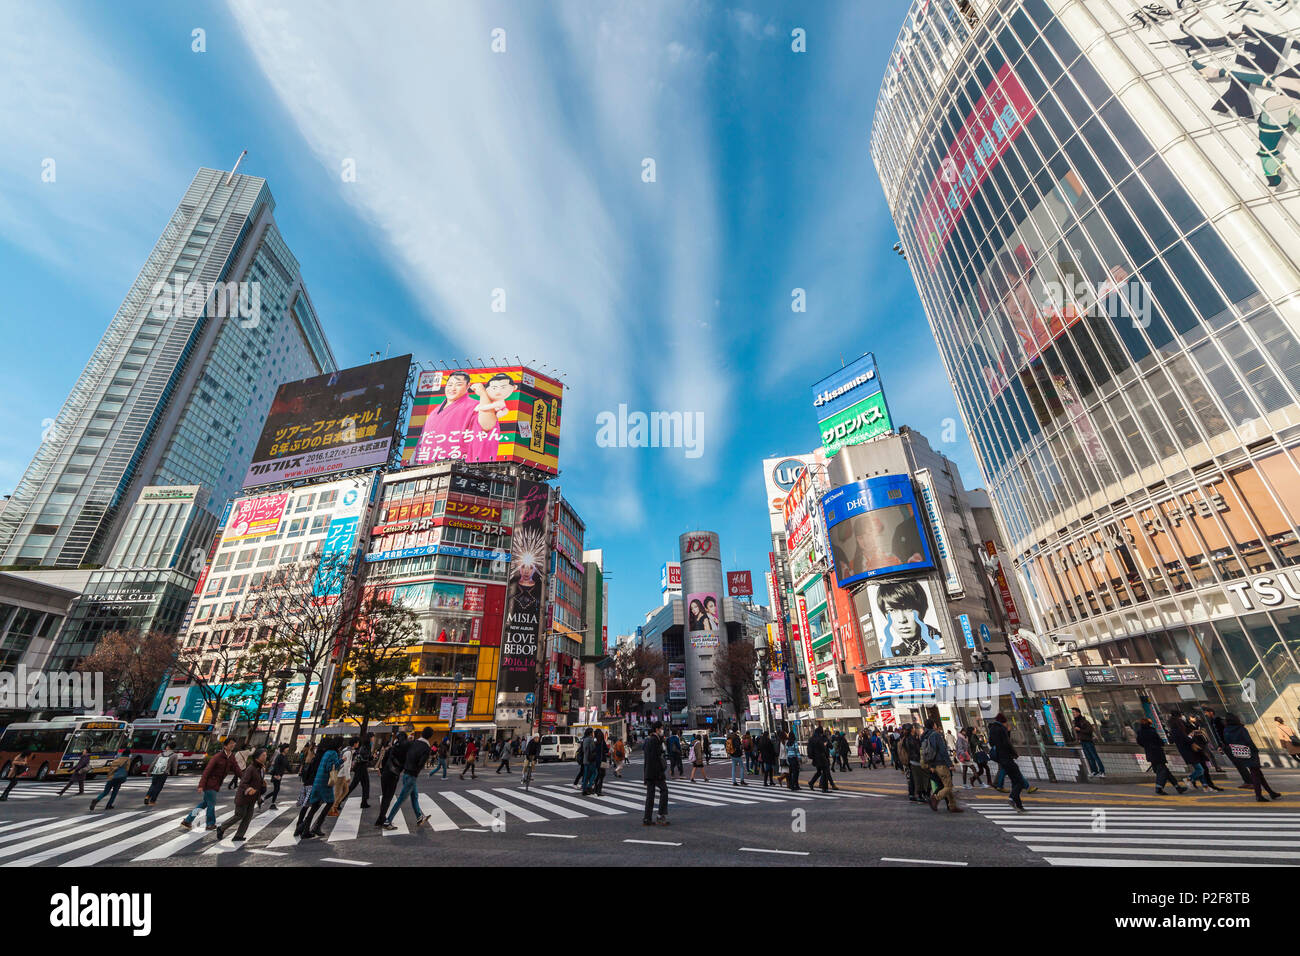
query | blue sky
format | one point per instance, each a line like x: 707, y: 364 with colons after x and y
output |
x: 477, y: 171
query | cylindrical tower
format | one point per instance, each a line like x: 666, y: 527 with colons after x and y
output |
x: 702, y: 596
x: 1096, y: 204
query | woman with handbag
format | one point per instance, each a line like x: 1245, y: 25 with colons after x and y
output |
x: 1288, y: 739
x: 1243, y: 752
x: 341, y: 779
x: 697, y: 759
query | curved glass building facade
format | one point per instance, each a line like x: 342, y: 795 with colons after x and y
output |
x: 1100, y: 204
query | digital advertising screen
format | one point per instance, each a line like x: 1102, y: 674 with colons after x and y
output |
x: 501, y: 413
x: 339, y: 421
x: 875, y: 529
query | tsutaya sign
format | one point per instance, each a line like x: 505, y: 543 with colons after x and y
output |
x: 1266, y: 590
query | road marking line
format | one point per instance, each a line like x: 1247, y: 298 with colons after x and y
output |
x: 585, y: 804
x: 1094, y: 861
x: 754, y: 849
x: 653, y: 842
x: 514, y: 809
x: 84, y: 825
x: 470, y: 809
x: 556, y: 836
x: 555, y: 808
x: 1190, y: 850
x: 258, y: 823
x: 474, y: 830
x: 96, y: 837
x: 268, y: 852
x: 901, y: 859
x: 347, y: 824
x: 335, y: 859
x: 186, y: 837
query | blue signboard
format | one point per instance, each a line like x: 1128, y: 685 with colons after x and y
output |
x: 966, y: 630
x: 485, y: 554
x: 875, y: 529
x: 845, y: 387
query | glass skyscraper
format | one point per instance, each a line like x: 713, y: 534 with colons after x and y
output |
x: 1100, y: 206
x: 176, y: 391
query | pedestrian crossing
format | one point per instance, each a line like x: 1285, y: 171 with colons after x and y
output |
x: 1119, y: 837
x: 45, y: 790
x: 137, y: 834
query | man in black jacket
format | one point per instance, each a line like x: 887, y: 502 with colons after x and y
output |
x: 767, y: 758
x: 390, y: 773
x: 820, y: 756
x: 1150, y: 741
x: 1005, y: 755
x: 656, y: 765
x: 279, y: 767
x: 361, y: 769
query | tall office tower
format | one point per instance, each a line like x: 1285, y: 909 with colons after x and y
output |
x: 177, y: 389
x: 1100, y: 205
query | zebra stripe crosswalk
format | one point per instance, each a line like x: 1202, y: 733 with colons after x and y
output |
x: 144, y: 835
x: 1119, y: 837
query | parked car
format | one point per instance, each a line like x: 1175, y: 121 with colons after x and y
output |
x: 558, y: 747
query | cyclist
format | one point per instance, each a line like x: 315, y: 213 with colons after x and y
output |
x: 531, y: 753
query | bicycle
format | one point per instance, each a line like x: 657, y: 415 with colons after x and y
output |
x: 527, y: 777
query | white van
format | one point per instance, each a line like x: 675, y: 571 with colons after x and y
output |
x: 558, y: 747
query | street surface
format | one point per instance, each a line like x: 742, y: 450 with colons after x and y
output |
x: 491, y: 820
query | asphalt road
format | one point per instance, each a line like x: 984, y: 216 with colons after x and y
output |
x: 487, y: 821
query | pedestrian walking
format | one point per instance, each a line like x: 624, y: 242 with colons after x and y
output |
x: 981, y: 758
x: 792, y: 761
x: 164, y: 765
x: 654, y: 774
x: 341, y: 778
x: 1287, y: 739
x: 918, y: 779
x: 961, y: 753
x: 321, y: 794
x: 78, y: 774
x: 505, y: 757
x: 279, y: 767
x: 819, y: 756
x: 214, y: 774
x: 444, y: 751
x: 590, y: 761
x: 416, y: 755
x: 1005, y: 754
x: 361, y: 758
x: 580, y: 779
x: 17, y: 767
x: 674, y: 747
x: 252, y: 785
x: 1149, y: 740
x: 390, y: 771
x: 242, y: 753
x: 697, y: 759
x: 602, y: 761
x: 736, y: 751
x: 1191, y: 750
x: 842, y: 751
x: 1083, y: 729
x: 936, y: 759
x: 471, y: 760
x: 619, y: 753
x: 1243, y: 752
x: 766, y: 757
x: 117, y: 771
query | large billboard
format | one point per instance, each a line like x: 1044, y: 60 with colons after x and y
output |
x: 525, y: 590
x: 740, y: 584
x: 779, y: 476
x: 257, y: 517
x: 501, y: 413
x: 850, y: 405
x: 805, y: 533
x: 334, y: 422
x: 703, y: 621
x: 875, y: 529
x: 905, y: 619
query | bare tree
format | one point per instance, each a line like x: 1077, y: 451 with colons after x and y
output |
x: 625, y: 681
x: 133, y: 665
x: 216, y: 667
x: 377, y: 661
x: 733, y: 673
x: 309, y: 607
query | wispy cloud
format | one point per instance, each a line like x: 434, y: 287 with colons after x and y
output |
x: 522, y: 171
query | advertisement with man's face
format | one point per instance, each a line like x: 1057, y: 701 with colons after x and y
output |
x: 875, y: 529
x: 334, y: 422
x: 506, y: 413
x: 905, y: 619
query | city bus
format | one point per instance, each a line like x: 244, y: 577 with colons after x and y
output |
x: 188, y: 739
x: 54, y: 746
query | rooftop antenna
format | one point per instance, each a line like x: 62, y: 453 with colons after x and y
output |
x: 388, y: 349
x: 231, y: 175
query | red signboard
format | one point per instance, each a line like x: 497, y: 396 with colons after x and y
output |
x: 998, y: 118
x: 739, y: 584
x: 1004, y: 589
